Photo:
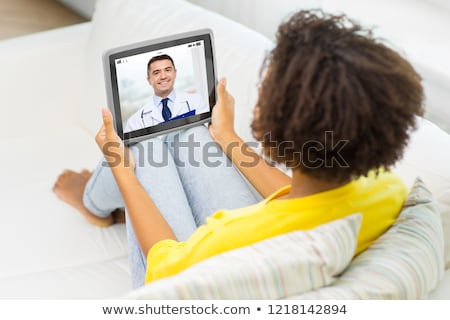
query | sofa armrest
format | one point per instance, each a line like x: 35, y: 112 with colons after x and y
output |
x: 42, y: 80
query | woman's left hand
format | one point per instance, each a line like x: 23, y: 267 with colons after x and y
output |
x: 222, y: 118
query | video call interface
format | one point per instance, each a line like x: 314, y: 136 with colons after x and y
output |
x: 140, y: 105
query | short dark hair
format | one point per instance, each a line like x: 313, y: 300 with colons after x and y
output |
x: 329, y: 76
x: 158, y: 58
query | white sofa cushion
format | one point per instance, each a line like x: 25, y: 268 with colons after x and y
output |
x: 49, y: 250
x: 428, y: 156
x: 406, y: 262
x: 265, y: 19
x: 274, y: 268
x: 397, y: 22
x: 239, y: 50
x: 41, y: 97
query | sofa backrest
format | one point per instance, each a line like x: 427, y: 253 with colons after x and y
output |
x: 412, y: 26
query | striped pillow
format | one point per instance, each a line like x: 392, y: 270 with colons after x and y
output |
x: 275, y: 268
x: 406, y: 262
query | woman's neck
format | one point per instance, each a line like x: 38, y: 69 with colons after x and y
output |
x: 304, y: 185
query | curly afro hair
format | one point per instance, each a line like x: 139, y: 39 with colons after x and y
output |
x: 335, y: 102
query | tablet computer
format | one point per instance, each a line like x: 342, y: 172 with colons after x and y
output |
x: 161, y: 85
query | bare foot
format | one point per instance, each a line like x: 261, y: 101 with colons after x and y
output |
x: 118, y: 216
x: 69, y: 187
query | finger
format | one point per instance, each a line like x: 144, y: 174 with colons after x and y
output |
x: 221, y: 87
x: 101, y: 131
x: 100, y: 136
x: 107, y: 120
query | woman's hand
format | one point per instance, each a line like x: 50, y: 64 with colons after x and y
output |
x: 116, y: 154
x: 265, y: 178
x: 222, y: 118
x: 149, y: 225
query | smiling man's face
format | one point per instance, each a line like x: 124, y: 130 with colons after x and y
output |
x: 161, y: 76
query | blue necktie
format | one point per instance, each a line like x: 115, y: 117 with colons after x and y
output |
x: 166, y: 114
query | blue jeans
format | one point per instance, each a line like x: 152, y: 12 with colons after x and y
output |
x: 187, y: 176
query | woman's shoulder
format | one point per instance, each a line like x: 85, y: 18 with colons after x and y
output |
x: 382, y: 183
x: 384, y: 177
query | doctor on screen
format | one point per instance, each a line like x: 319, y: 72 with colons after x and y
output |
x: 166, y: 104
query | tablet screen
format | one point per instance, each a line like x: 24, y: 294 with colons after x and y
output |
x: 161, y: 85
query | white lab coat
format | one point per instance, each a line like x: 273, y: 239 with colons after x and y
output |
x: 151, y: 113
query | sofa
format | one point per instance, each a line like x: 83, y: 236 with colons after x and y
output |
x: 52, y: 86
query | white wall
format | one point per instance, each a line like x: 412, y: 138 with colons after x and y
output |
x: 83, y: 7
x: 261, y: 15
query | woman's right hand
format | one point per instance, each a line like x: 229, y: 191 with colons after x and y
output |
x: 112, y: 147
x: 222, y: 118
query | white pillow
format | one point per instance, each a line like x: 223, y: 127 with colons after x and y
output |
x: 275, y: 268
x: 406, y: 262
x: 428, y: 156
x: 239, y: 50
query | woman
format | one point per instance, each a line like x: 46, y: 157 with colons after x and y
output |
x: 335, y: 106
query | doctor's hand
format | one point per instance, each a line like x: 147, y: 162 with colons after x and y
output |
x: 222, y: 118
x: 112, y: 147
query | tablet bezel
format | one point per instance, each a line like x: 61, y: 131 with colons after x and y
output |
x: 112, y: 92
